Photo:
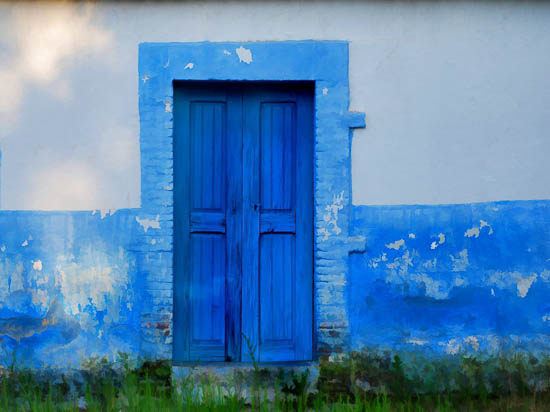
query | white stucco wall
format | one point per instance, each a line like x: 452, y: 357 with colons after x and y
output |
x: 457, y: 95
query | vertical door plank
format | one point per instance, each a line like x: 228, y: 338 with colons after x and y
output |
x: 251, y: 225
x: 234, y: 222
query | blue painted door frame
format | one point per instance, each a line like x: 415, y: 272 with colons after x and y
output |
x: 243, y: 221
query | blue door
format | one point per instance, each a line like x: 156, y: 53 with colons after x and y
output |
x: 243, y: 223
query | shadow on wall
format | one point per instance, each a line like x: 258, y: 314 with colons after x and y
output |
x: 60, y: 154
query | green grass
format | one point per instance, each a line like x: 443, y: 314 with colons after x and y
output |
x: 395, y: 383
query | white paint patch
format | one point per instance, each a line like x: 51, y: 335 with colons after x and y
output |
x: 97, y: 279
x: 145, y: 79
x: 168, y: 187
x: 461, y: 262
x: 399, y: 268
x: 374, y: 262
x: 3, y: 248
x: 492, y: 292
x: 167, y: 64
x: 524, y: 284
x: 473, y: 232
x: 147, y: 224
x: 324, y: 233
x: 418, y: 342
x: 325, y: 91
x: 546, y: 318
x: 245, y: 55
x: 37, y: 265
x: 483, y: 223
x: 476, y: 230
x: 153, y: 242
x: 227, y: 52
x: 189, y: 66
x: 331, y: 217
x: 167, y: 106
x: 412, y: 236
x: 25, y: 243
x: 472, y: 340
x: 440, y: 241
x: 396, y: 245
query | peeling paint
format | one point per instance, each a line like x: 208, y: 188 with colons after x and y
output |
x: 104, y: 212
x: 476, y: 230
x: 189, y: 66
x: 167, y: 64
x: 245, y: 55
x: 3, y: 248
x: 440, y: 241
x: 524, y: 284
x: 25, y: 243
x: 396, y: 245
x: 324, y: 233
x: 37, y: 265
x: 412, y: 236
x: 473, y: 232
x: 325, y: 91
x: 227, y: 52
x: 147, y: 224
x: 460, y: 262
x: 483, y: 223
x: 456, y: 293
x: 145, y: 79
x: 331, y: 217
x: 167, y: 106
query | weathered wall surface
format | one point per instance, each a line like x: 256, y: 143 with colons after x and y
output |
x: 457, y: 101
x: 451, y: 278
x: 69, y: 286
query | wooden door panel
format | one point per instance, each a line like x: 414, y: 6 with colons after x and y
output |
x: 279, y: 141
x: 243, y: 222
x: 207, y: 228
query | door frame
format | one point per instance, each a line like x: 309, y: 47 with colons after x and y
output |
x: 323, y: 62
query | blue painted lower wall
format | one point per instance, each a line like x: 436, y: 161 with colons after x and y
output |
x: 436, y: 279
x: 69, y: 286
x: 452, y: 278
